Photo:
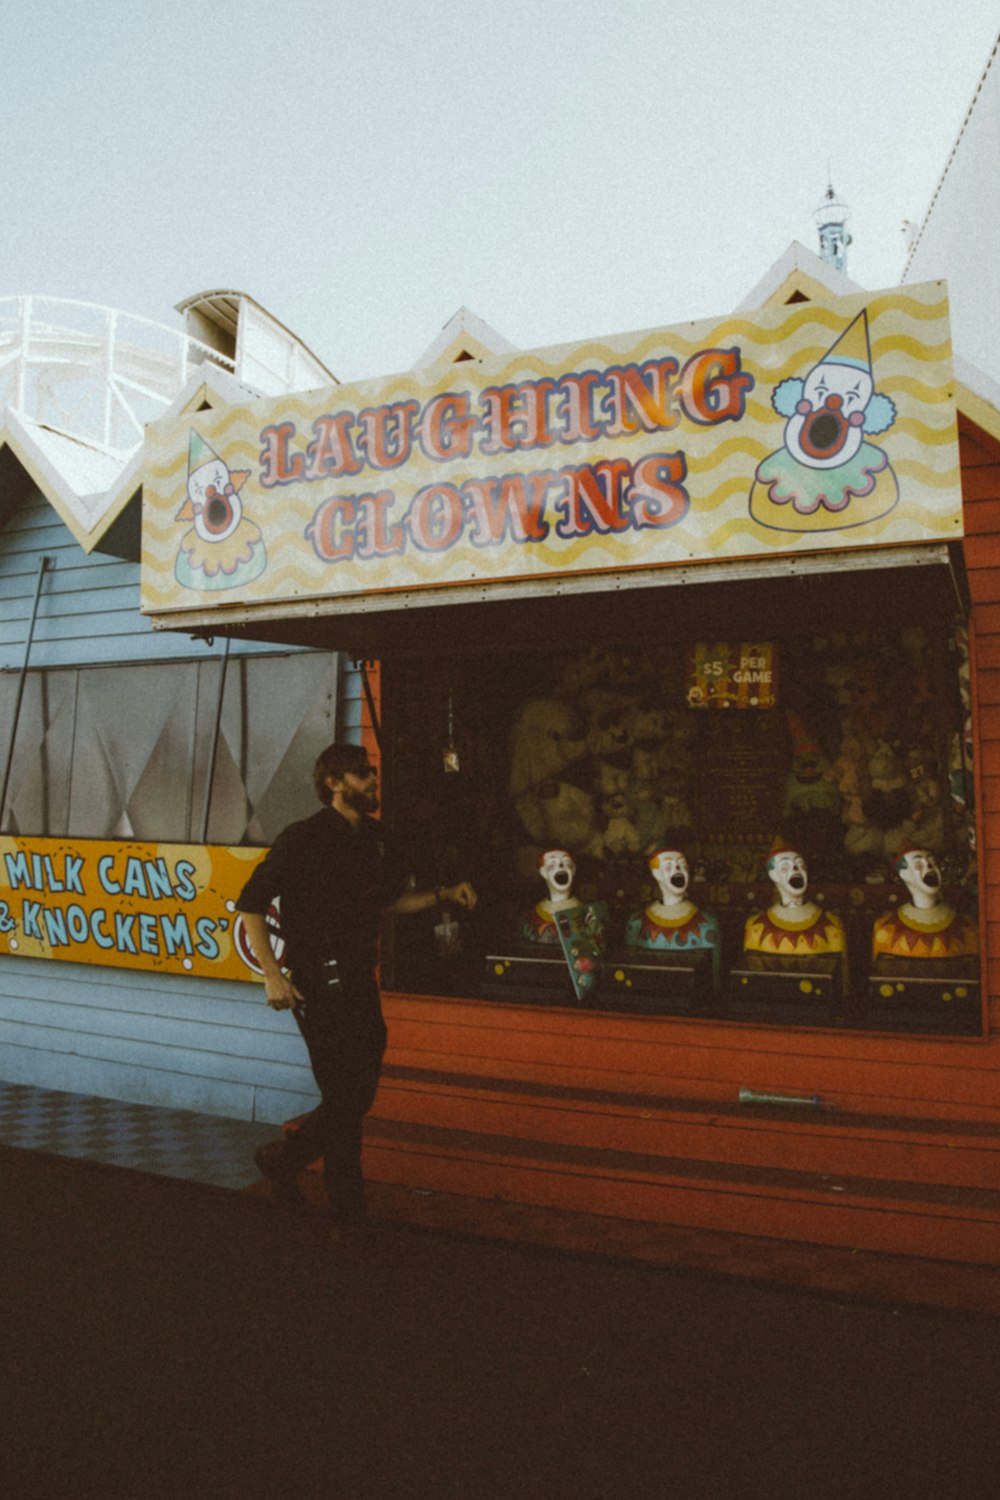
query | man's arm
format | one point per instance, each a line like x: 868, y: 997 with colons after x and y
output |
x: 280, y: 991
x: 455, y: 895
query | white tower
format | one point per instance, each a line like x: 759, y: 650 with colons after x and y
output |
x: 831, y: 221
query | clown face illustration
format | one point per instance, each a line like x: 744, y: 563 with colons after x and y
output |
x: 827, y: 474
x: 223, y: 548
x: 827, y: 427
x: 213, y: 502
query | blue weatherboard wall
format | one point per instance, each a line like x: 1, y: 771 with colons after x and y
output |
x: 207, y: 1045
x: 88, y: 612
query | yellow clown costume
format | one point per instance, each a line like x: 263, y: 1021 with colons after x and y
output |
x: 815, y: 932
x: 939, y: 933
x: 793, y: 926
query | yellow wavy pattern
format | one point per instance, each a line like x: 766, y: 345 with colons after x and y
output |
x: 918, y: 390
x: 722, y: 538
x: 909, y: 338
x: 926, y: 303
x: 927, y: 437
x: 752, y: 449
x: 913, y: 348
x: 720, y: 494
x: 912, y: 469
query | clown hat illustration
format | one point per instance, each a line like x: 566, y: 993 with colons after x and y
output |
x: 852, y: 348
x: 224, y: 548
x: 827, y: 476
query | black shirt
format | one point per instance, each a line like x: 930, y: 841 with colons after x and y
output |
x: 334, y: 881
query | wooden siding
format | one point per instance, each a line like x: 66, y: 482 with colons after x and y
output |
x: 981, y: 489
x: 88, y: 610
x: 640, y: 1118
x: 205, y: 1045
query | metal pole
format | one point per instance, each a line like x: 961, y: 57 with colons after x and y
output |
x: 43, y: 563
x: 215, y: 744
x: 372, y: 710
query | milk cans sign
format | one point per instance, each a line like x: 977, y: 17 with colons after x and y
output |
x: 170, y: 908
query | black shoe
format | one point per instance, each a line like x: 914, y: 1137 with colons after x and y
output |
x: 269, y: 1160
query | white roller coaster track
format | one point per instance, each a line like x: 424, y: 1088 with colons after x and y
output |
x: 93, y: 374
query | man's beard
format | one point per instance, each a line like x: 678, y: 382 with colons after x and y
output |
x: 364, y: 801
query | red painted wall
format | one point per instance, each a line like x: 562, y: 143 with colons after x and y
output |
x: 980, y: 455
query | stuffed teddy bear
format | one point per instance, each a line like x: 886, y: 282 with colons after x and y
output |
x: 619, y: 835
x: 546, y: 739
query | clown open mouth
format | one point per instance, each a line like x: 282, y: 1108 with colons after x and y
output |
x: 797, y: 882
x: 824, y: 432
x: 932, y: 879
x: 677, y: 881
x: 561, y: 878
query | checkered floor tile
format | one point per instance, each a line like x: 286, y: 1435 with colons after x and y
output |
x: 165, y: 1142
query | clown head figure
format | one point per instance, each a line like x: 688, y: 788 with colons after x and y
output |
x: 918, y: 870
x: 558, y: 869
x: 787, y: 871
x: 924, y: 927
x: 675, y: 924
x: 827, y: 476
x: 794, y: 926
x: 670, y: 870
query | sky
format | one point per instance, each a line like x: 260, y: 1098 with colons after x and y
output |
x: 563, y: 168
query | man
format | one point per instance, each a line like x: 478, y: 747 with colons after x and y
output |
x: 334, y: 880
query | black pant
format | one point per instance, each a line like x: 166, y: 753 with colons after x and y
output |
x: 346, y: 1038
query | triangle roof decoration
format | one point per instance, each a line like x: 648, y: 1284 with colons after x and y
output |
x: 464, y: 337
x: 798, y: 276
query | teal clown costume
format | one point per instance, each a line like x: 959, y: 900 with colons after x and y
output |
x: 674, y: 924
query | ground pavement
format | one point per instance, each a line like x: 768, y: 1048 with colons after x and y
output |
x: 166, y: 1338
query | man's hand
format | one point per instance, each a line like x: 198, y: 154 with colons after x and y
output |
x: 281, y: 992
x: 279, y: 989
x: 460, y: 895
